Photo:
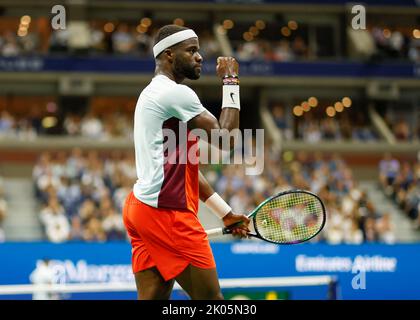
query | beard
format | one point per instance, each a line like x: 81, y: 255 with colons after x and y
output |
x: 186, y: 70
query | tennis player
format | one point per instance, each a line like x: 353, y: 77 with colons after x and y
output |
x: 160, y: 214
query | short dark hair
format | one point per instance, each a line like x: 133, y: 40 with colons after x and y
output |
x: 167, y: 30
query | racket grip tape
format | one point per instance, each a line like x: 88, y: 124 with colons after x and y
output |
x: 215, y: 232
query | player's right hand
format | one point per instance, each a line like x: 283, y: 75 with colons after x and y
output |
x: 227, y: 66
x: 241, y: 230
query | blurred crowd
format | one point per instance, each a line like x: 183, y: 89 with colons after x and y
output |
x: 351, y: 217
x: 89, y: 125
x: 264, y: 50
x: 401, y: 182
x: 24, y: 128
x: 3, y: 210
x: 82, y: 194
x: 403, y: 130
x: 102, y: 127
x: 395, y: 44
x: 126, y: 38
x: 314, y: 127
x: 120, y: 39
x: 384, y: 45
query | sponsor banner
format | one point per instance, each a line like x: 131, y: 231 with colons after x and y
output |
x: 363, y: 272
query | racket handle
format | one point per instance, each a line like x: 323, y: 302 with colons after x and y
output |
x: 212, y: 233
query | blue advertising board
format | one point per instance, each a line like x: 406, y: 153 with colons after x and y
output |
x: 370, y: 271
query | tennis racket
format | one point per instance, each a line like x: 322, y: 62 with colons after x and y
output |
x: 287, y: 218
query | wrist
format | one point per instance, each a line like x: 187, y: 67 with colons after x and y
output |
x: 227, y: 216
x: 230, y: 80
x: 231, y: 98
x: 218, y: 206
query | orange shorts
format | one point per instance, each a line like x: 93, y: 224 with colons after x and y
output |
x: 165, y: 238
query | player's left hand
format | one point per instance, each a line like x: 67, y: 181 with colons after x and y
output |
x: 241, y: 229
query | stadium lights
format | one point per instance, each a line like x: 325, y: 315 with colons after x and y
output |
x: 292, y: 25
x: 298, y: 111
x: 146, y: 22
x: 109, y: 27
x: 346, y: 102
x: 260, y: 24
x: 387, y: 33
x: 254, y: 31
x: 313, y: 102
x: 25, y: 20
x: 228, y: 24
x: 49, y: 122
x: 331, y: 112
x: 141, y: 28
x: 285, y: 31
x: 305, y: 106
x: 248, y: 36
x: 22, y: 31
x: 338, y: 106
x: 23, y: 26
x: 179, y: 22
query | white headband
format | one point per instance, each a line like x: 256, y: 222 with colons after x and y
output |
x: 173, y: 39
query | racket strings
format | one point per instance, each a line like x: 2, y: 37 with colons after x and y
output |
x: 290, y: 218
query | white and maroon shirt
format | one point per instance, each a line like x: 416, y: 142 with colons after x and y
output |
x: 162, y: 105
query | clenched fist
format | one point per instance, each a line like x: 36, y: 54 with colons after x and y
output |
x: 227, y: 66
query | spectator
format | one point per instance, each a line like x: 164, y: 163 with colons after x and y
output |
x: 122, y: 39
x: 56, y: 225
x: 402, y: 130
x: 94, y: 230
x: 7, y: 123
x: 112, y: 224
x: 43, y: 275
x: 59, y: 41
x: 300, y: 50
x: 10, y: 47
x: 355, y: 235
x: 388, y: 171
x: 370, y: 231
x: 91, y: 127
x: 335, y: 235
x: 76, y: 229
x: 385, y: 229
x: 279, y: 116
x: 282, y: 51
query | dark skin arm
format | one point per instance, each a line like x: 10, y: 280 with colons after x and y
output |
x: 206, y: 191
x: 229, y: 117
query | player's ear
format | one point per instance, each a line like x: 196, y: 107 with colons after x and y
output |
x: 169, y: 55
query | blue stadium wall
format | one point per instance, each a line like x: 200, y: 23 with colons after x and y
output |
x: 390, y: 271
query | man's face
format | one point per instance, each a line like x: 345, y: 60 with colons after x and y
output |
x: 187, y: 60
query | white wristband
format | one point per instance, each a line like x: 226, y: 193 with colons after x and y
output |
x: 217, y: 205
x: 231, y: 97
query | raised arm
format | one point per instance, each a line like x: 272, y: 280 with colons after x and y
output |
x: 227, y: 69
